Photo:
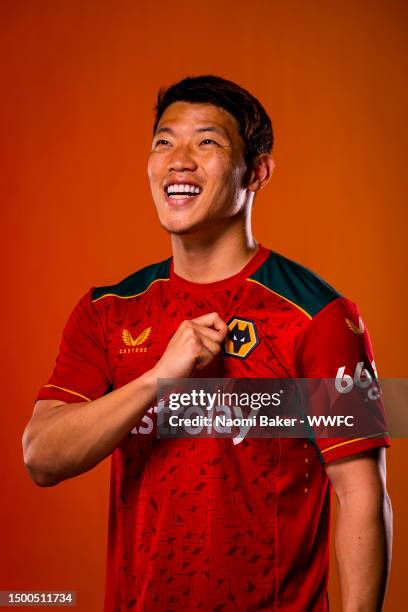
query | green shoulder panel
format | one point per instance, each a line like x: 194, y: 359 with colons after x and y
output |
x: 136, y: 283
x: 295, y: 283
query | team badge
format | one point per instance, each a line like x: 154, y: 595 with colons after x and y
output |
x: 241, y: 338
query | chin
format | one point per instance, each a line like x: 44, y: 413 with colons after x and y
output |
x: 180, y: 229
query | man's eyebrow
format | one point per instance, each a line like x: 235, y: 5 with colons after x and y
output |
x: 164, y: 129
x: 207, y: 128
x: 213, y: 128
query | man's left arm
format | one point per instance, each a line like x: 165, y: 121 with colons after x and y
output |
x: 363, y: 535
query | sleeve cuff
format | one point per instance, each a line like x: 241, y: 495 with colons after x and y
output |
x: 64, y: 394
x: 345, y: 448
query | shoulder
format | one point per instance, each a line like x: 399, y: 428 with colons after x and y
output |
x: 136, y: 283
x: 295, y: 283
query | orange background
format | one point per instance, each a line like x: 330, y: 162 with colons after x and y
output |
x: 79, y: 80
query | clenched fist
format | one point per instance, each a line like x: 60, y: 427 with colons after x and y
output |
x: 193, y: 346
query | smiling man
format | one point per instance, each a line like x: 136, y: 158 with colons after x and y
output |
x: 210, y: 524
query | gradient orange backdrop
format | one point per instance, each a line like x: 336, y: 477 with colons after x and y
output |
x: 79, y: 80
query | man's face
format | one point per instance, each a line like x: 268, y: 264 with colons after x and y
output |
x: 196, y: 167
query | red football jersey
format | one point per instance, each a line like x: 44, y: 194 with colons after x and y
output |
x: 210, y: 524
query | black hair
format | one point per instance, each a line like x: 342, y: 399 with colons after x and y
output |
x: 255, y: 126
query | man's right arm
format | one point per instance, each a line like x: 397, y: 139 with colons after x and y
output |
x: 63, y: 440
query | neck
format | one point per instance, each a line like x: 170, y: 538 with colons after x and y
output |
x: 212, y: 254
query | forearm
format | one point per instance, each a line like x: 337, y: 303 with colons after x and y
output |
x: 363, y: 548
x: 73, y: 438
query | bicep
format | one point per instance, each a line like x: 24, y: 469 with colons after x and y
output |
x: 42, y: 407
x: 42, y: 410
x: 362, y: 475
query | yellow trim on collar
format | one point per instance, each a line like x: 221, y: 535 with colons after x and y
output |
x: 127, y: 297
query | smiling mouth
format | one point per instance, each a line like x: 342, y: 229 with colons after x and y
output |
x: 185, y: 191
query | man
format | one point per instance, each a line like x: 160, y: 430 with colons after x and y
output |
x: 207, y: 524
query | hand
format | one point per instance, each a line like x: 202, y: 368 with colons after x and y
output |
x: 193, y: 346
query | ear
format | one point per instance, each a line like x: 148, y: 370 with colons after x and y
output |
x: 260, y: 172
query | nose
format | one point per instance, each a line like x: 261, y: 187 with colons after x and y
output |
x: 181, y: 158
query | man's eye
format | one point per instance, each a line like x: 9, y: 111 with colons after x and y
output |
x: 208, y: 141
x: 162, y: 141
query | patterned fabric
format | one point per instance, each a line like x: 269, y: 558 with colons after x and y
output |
x: 206, y: 524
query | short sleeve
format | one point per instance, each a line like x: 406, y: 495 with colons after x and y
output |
x: 337, y: 343
x: 81, y: 370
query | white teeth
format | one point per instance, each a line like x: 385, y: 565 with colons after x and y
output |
x: 179, y: 196
x: 182, y: 188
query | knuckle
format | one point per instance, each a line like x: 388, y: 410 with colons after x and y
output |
x: 191, y: 334
x: 193, y: 343
x: 189, y: 330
